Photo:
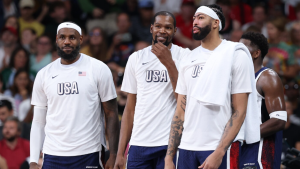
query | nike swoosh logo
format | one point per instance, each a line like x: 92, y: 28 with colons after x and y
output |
x: 54, y: 77
x: 193, y: 60
x: 145, y: 63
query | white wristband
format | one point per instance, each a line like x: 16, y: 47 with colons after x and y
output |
x: 282, y: 115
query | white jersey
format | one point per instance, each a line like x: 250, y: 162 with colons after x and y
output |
x: 204, y: 124
x: 73, y: 95
x: 259, y: 96
x: 147, y: 77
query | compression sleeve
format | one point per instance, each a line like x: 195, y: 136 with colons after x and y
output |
x: 37, y: 134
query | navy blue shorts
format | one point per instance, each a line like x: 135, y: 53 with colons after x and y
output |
x: 70, y: 162
x: 193, y: 159
x: 146, y: 157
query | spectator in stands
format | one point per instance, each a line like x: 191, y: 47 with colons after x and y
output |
x: 236, y: 35
x: 122, y: 45
x: 43, y: 54
x: 295, y: 38
x: 167, y: 5
x: 97, y: 47
x: 7, y: 8
x: 19, y: 60
x: 26, y: 20
x: 3, y: 164
x: 297, y: 13
x: 95, y: 8
x: 21, y: 88
x: 292, y: 93
x: 6, y: 110
x: 141, y: 45
x: 259, y: 20
x: 9, y: 38
x: 225, y: 5
x: 140, y: 25
x: 28, y: 39
x: 58, y: 14
x: 241, y: 13
x: 131, y: 8
x: 280, y: 57
x: 184, y: 24
x: 12, y: 21
x: 13, y: 149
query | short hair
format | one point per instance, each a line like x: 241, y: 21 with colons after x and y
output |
x: 258, y: 40
x: 164, y: 13
x: 13, y: 57
x: 6, y: 103
x: 279, y: 23
x: 260, y: 5
x: 218, y: 10
x: 16, y: 120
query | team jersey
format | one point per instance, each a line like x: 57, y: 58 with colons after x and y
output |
x: 147, y: 77
x: 204, y: 124
x: 73, y: 95
x: 269, y: 154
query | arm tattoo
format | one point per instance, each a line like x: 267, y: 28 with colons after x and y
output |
x: 175, y: 136
x: 183, y: 103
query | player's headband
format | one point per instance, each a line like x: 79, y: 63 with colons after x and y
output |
x: 69, y: 25
x: 207, y: 11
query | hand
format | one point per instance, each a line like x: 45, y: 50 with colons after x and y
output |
x: 33, y: 166
x: 163, y: 53
x: 213, y: 161
x: 97, y: 12
x: 110, y: 162
x: 169, y: 164
x: 120, y: 162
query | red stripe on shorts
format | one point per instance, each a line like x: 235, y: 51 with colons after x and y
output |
x: 234, y: 155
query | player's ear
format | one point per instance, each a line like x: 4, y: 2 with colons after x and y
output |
x: 257, y: 54
x: 81, y: 39
x: 216, y: 24
x: 175, y: 30
x: 56, y: 37
x: 151, y: 28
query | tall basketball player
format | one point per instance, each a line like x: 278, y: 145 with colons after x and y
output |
x: 265, y: 154
x: 150, y: 80
x: 73, y: 97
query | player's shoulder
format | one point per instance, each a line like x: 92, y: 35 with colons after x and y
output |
x: 269, y: 78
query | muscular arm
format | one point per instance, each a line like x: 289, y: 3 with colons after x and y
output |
x: 176, y: 128
x: 112, y: 125
x: 127, y: 123
x: 270, y: 85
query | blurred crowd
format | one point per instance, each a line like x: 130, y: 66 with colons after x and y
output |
x: 112, y: 31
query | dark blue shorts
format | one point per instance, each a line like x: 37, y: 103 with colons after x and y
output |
x: 91, y: 161
x: 146, y: 157
x: 193, y: 159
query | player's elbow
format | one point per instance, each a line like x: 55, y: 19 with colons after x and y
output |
x: 280, y: 124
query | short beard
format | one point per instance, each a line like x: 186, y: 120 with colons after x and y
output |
x: 203, y: 32
x: 166, y: 43
x: 11, y: 139
x: 69, y: 57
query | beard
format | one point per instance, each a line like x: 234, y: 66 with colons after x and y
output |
x: 69, y: 57
x: 166, y: 43
x: 11, y: 139
x: 203, y: 32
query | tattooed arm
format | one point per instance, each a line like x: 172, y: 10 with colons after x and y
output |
x: 176, y: 132
x: 239, y: 107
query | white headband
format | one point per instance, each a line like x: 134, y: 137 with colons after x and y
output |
x: 206, y: 10
x: 69, y: 25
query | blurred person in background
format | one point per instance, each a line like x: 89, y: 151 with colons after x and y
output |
x: 131, y: 7
x: 225, y: 5
x: 140, y: 24
x: 13, y: 149
x: 97, y: 47
x: 43, y: 54
x: 122, y: 45
x: 259, y: 15
x: 241, y: 13
x: 275, y: 9
x: 295, y: 39
x: 141, y: 45
x: 18, y: 60
x: 94, y: 8
x: 3, y: 164
x: 292, y: 94
x: 280, y: 57
x: 9, y: 38
x: 27, y: 20
x: 7, y: 8
x: 167, y: 5
x: 21, y: 88
x: 236, y: 35
x: 28, y: 39
x: 12, y: 21
x: 297, y: 19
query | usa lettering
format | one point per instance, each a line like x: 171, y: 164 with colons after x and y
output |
x: 156, y: 76
x: 196, y: 71
x: 67, y: 88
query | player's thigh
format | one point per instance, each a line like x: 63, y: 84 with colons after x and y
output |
x: 202, y: 156
x: 160, y: 161
x: 140, y: 157
x: 187, y: 159
x: 250, y: 156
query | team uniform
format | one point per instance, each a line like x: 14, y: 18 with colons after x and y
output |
x: 265, y: 154
x: 204, y: 124
x: 74, y: 130
x: 147, y: 77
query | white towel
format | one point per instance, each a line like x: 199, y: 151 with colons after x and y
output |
x: 214, y: 79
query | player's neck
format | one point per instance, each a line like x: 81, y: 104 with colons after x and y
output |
x: 257, y: 65
x: 211, y: 41
x: 68, y: 62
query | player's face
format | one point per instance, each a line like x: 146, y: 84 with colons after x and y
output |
x: 68, y: 43
x: 253, y: 51
x: 201, y: 26
x: 10, y: 130
x: 163, y: 29
x: 4, y: 113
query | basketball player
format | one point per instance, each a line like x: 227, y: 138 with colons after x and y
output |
x: 150, y: 80
x: 269, y: 89
x: 71, y: 97
x: 214, y: 85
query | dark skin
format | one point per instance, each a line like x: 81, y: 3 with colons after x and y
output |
x: 163, y: 27
x: 270, y: 86
x: 67, y: 39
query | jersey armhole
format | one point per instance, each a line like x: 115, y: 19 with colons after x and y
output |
x: 256, y: 79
